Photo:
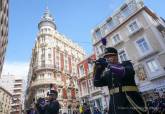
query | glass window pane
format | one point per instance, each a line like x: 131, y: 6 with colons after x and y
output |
x: 98, y: 34
x: 153, y: 66
x: 123, y: 56
x: 110, y: 24
x: 134, y: 26
x: 143, y: 45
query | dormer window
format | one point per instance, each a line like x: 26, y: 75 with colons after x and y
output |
x: 110, y: 23
x: 98, y: 34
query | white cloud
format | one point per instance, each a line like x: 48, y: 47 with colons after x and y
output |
x: 19, y: 69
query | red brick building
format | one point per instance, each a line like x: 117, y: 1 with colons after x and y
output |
x: 94, y: 96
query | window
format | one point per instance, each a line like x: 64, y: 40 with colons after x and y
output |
x: 143, y: 46
x: 81, y: 70
x: 90, y: 67
x: 133, y: 27
x: 49, y: 55
x: 97, y: 50
x: 43, y: 50
x: 98, y: 34
x: 122, y: 55
x: 104, y: 29
x: 45, y: 29
x: 42, y: 63
x: 41, y: 76
x: 116, y: 39
x: 101, y: 48
x: 153, y: 66
x: 110, y: 23
x: 48, y: 29
x: 125, y: 10
x: 90, y: 85
x: 42, y: 39
x: 84, y: 88
x: 49, y: 75
x: 66, y: 62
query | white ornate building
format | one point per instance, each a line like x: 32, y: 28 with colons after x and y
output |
x: 54, y: 61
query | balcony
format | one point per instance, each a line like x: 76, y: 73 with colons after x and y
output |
x: 146, y: 55
x: 131, y: 34
x: 16, y: 94
x: 118, y: 43
x: 95, y: 90
x: 43, y: 44
x: 46, y: 82
x: 82, y: 76
x: 17, y: 88
x: 18, y: 83
x: 156, y: 75
x: 84, y: 94
x: 15, y: 104
x: 44, y: 67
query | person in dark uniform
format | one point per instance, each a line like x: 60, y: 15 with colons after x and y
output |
x: 119, y: 77
x: 53, y: 105
x: 41, y: 105
x: 86, y: 109
x: 150, y: 105
x: 163, y: 103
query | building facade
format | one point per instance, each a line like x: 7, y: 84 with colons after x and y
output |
x: 138, y: 35
x: 7, y: 82
x: 17, y: 99
x: 14, y: 85
x: 54, y: 61
x: 5, y: 101
x: 94, y: 96
x: 4, y: 6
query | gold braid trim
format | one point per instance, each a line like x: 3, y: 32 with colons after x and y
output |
x: 137, y: 108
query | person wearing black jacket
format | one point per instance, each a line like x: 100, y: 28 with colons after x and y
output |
x: 41, y: 105
x: 53, y: 105
x: 86, y: 109
x: 119, y: 77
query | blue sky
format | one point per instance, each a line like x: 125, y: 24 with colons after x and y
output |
x: 73, y: 18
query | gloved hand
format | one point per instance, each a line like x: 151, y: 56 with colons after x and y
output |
x: 102, y: 62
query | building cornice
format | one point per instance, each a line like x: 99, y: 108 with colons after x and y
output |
x: 129, y: 18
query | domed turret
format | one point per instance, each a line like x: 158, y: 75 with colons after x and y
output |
x: 47, y: 20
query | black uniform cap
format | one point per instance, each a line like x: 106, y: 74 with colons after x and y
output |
x: 110, y: 50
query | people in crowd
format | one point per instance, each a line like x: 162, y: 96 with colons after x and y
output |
x: 86, y: 109
x: 156, y: 103
x: 105, y: 110
x: 96, y: 110
x: 53, y: 105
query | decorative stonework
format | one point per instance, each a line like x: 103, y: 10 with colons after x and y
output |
x: 141, y: 74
